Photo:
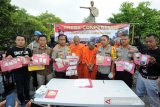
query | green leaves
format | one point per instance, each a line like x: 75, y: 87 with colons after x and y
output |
x: 6, y: 9
x: 148, y: 19
x: 15, y: 21
x: 48, y: 20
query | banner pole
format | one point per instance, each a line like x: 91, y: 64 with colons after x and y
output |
x: 132, y: 34
x: 133, y: 29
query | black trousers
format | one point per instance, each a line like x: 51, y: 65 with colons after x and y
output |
x: 61, y: 75
x: 125, y: 76
x: 22, y: 80
x: 34, y: 76
x: 101, y: 76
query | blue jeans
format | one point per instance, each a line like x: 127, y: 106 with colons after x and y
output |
x: 150, y: 87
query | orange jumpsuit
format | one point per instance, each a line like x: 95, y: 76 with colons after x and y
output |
x: 89, y: 57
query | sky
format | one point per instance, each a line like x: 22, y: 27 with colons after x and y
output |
x: 70, y: 12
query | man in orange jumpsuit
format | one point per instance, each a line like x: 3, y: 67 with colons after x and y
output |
x: 89, y: 61
x: 77, y: 48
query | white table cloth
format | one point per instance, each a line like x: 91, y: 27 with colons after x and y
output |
x: 103, y: 93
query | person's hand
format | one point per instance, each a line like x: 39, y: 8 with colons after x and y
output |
x: 131, y: 51
x: 16, y: 104
x: 53, y: 60
x: 131, y: 61
x: 27, y: 57
x: 79, y: 62
x: 91, y: 66
x: 118, y: 59
x: 29, y: 103
x: 3, y: 104
x: 9, y: 57
x: 87, y: 65
x: 152, y: 60
x: 90, y: 70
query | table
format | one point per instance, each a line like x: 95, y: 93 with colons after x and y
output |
x: 102, y: 93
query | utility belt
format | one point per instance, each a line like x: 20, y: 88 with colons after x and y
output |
x: 150, y: 77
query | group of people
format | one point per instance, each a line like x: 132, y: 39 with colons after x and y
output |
x: 147, y: 80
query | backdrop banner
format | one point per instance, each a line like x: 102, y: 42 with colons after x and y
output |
x: 90, y: 31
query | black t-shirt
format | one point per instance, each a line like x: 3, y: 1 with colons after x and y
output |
x: 152, y: 69
x: 15, y: 51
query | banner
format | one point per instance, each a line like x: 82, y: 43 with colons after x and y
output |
x: 90, y: 31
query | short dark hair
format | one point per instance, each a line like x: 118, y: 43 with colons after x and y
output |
x: 152, y: 35
x: 155, y: 36
x: 60, y: 35
x: 21, y: 36
x: 43, y: 36
x: 105, y: 36
x: 125, y: 35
